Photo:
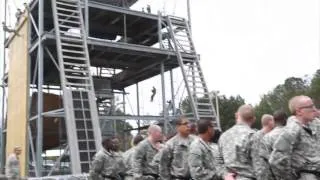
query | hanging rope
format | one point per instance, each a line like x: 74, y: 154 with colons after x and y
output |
x: 129, y: 104
x: 174, y: 7
x: 15, y: 4
x: 12, y: 11
x: 182, y: 81
x: 164, y: 7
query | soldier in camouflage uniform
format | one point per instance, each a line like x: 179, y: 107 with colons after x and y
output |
x: 128, y: 156
x: 202, y: 163
x: 315, y: 125
x: 236, y: 145
x: 143, y: 166
x: 174, y: 156
x: 216, y: 152
x: 295, y: 154
x: 267, y: 123
x: 13, y: 164
x: 267, y: 142
x: 214, y: 143
x: 156, y: 158
x: 108, y: 164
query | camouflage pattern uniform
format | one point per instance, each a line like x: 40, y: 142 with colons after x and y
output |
x: 295, y: 154
x: 174, y: 158
x: 265, y: 151
x: 218, y: 158
x: 107, y: 165
x: 143, y: 165
x: 235, y: 148
x: 156, y: 161
x: 128, y: 158
x: 257, y: 161
x: 291, y: 119
x: 315, y: 126
x: 12, y: 167
x: 215, y: 149
x: 201, y: 162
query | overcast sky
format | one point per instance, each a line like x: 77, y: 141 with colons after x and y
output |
x: 247, y: 47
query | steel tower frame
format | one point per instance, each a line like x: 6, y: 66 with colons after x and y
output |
x: 37, y: 76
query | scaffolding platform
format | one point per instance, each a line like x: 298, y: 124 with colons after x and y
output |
x: 122, y: 47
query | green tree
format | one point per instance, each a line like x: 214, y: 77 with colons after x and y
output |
x: 118, y: 128
x: 279, y: 97
x: 227, y: 108
x: 314, y: 92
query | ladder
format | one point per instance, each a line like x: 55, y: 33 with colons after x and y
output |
x: 82, y: 122
x: 198, y: 94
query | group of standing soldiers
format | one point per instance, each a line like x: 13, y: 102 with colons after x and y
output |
x: 284, y: 149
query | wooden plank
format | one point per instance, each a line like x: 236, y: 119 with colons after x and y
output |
x: 18, y: 93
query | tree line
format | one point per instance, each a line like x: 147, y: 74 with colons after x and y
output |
x: 275, y: 99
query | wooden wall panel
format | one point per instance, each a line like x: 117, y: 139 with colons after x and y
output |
x: 18, y: 93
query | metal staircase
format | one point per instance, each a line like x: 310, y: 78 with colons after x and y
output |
x: 82, y: 122
x: 199, y: 96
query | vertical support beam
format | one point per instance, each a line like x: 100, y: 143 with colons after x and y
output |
x: 86, y: 12
x: 125, y: 122
x: 115, y: 132
x: 194, y: 86
x: 189, y: 14
x: 159, y: 30
x: 2, y: 156
x: 40, y: 93
x: 172, y: 94
x: 138, y: 106
x: 113, y: 111
x: 164, y: 109
x: 30, y: 146
x: 125, y: 27
x: 124, y: 101
x: 125, y: 134
x: 217, y: 109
